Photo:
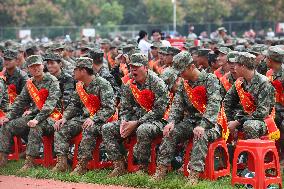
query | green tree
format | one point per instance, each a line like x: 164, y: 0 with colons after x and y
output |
x: 202, y: 11
x: 45, y: 13
x: 111, y: 13
x: 161, y: 11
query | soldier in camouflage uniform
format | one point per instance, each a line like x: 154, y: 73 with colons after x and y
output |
x: 183, y: 125
x: 103, y: 71
x: 66, y: 82
x: 168, y: 53
x: 67, y: 66
x: 146, y: 123
x: 275, y: 60
x: 201, y: 60
x: 37, y: 122
x: 259, y: 51
x: 13, y: 75
x: 78, y: 118
x: 262, y: 92
x: 4, y: 101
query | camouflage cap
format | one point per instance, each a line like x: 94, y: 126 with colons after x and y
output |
x: 257, y: 49
x: 57, y: 46
x: 138, y: 59
x: 169, y: 76
x: 224, y: 50
x: 246, y: 59
x: 96, y: 53
x: 84, y: 62
x: 156, y: 44
x: 232, y: 56
x: 33, y: 59
x: 169, y: 50
x: 181, y: 61
x: 51, y: 56
x: 128, y: 49
x: 240, y: 48
x: 203, y: 52
x: 276, y: 54
x: 222, y: 29
x: 10, y: 54
x: 105, y: 41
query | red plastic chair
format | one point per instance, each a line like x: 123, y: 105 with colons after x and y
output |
x: 17, y: 148
x: 210, y: 173
x: 130, y: 143
x: 257, y: 150
x: 47, y: 160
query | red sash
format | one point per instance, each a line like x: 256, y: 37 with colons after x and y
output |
x: 92, y: 102
x: 247, y: 101
x: 110, y: 60
x: 39, y: 97
x: 167, y: 113
x: 279, y: 94
x: 197, y: 96
x: 12, y: 93
x: 145, y: 98
x: 225, y: 82
x: 218, y: 73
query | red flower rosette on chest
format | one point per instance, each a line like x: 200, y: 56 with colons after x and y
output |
x: 145, y: 98
x: 197, y: 96
x: 12, y: 92
x: 43, y: 94
x: 279, y: 94
x: 95, y: 103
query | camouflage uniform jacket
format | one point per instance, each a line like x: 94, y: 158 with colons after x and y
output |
x: 131, y: 110
x: 66, y: 83
x: 24, y: 100
x: 100, y: 88
x: 104, y: 73
x: 183, y: 106
x: 279, y: 76
x: 18, y: 78
x: 262, y: 67
x: 4, y: 99
x: 263, y: 94
x: 68, y: 65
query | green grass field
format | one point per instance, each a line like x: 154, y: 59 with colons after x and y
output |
x: 172, y: 181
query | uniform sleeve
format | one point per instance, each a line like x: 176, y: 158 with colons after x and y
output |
x: 74, y: 107
x: 230, y: 102
x: 22, y: 101
x: 4, y: 99
x: 68, y: 89
x: 107, y: 103
x: 214, y: 98
x: 126, y: 102
x: 160, y: 103
x: 51, y: 101
x: 22, y: 82
x: 264, y: 102
x: 178, y: 106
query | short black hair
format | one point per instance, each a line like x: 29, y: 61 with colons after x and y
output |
x: 156, y: 30
x: 88, y: 70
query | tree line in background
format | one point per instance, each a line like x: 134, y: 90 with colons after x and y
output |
x: 113, y: 12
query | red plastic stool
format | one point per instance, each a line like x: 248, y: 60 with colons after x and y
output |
x: 210, y: 173
x: 47, y: 159
x: 95, y: 163
x: 131, y: 167
x: 257, y: 150
x: 17, y: 148
x: 76, y: 141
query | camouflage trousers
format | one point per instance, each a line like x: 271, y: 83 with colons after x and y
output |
x: 254, y: 129
x: 279, y: 120
x: 18, y: 127
x: 72, y: 128
x: 181, y: 133
x: 145, y: 134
